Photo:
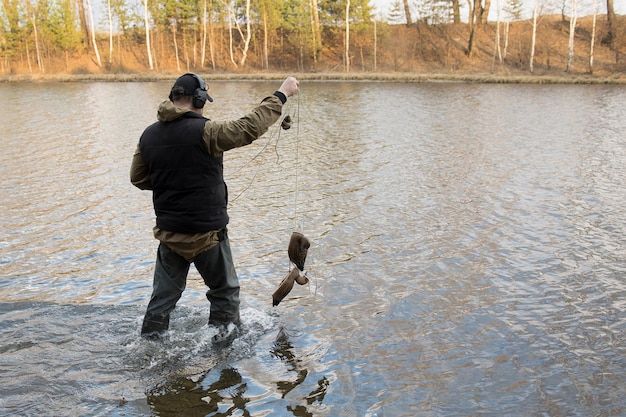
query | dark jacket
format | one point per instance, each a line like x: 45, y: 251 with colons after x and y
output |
x: 218, y: 137
x: 189, y: 192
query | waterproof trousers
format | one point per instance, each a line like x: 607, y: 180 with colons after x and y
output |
x: 170, y: 278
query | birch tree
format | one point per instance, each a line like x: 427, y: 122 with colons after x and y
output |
x: 147, y: 25
x: 497, y: 50
x: 204, y: 33
x: 534, y: 36
x: 93, y: 33
x: 248, y: 35
x: 110, y: 15
x: 37, y: 47
x: 230, y: 36
x: 173, y: 25
x: 316, y: 29
x: 347, y: 45
x: 593, y: 35
x: 513, y: 10
x: 572, y: 33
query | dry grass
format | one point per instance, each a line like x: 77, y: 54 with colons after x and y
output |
x: 419, y: 53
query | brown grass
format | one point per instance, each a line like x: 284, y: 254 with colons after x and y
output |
x: 418, y: 53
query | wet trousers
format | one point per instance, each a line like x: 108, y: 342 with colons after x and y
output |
x: 170, y: 278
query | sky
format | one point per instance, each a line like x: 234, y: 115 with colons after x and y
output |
x: 383, y: 6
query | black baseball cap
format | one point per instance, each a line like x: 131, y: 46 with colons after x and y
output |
x: 187, y: 85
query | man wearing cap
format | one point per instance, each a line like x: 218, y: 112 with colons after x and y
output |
x: 180, y: 159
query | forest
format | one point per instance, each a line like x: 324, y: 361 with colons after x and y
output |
x: 307, y: 36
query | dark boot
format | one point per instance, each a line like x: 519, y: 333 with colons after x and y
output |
x: 154, y: 327
x: 227, y: 330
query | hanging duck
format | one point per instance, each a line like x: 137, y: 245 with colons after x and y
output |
x: 297, y: 251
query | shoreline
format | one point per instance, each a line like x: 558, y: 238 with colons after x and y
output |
x: 413, y: 77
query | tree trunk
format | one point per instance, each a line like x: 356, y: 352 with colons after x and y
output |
x: 506, y: 39
x: 83, y: 20
x: 610, y: 19
x: 593, y: 35
x: 456, y: 10
x: 248, y: 36
x: 266, y: 60
x: 472, y: 26
x: 93, y: 33
x: 347, y: 51
x: 211, y: 51
x: 484, y: 13
x: 317, y: 27
x: 37, y: 49
x: 497, y: 49
x: 110, y: 32
x: 230, y: 34
x: 534, y: 36
x: 173, y: 28
x: 478, y: 13
x: 375, y: 46
x: 204, y: 34
x: 147, y: 24
x: 572, y: 32
x: 407, y: 13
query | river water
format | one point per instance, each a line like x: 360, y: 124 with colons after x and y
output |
x: 467, y: 255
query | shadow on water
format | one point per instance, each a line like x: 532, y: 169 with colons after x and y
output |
x: 225, y: 390
x: 91, y: 357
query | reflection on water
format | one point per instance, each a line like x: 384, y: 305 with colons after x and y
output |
x: 224, y: 391
x: 466, y: 255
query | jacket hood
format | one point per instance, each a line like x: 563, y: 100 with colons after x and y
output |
x: 168, y: 111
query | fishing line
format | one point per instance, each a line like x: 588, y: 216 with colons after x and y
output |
x: 297, y: 163
x: 285, y: 124
x: 276, y: 127
x: 295, y: 198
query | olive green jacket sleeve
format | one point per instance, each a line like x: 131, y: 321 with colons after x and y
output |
x: 223, y: 136
x: 218, y: 136
x: 139, y: 175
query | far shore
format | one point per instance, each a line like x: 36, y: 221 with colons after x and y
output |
x: 412, y: 77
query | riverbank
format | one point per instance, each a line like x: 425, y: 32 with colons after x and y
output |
x: 412, y: 77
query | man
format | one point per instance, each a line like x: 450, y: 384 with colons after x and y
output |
x: 180, y: 158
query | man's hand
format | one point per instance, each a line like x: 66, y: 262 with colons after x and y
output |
x: 289, y: 87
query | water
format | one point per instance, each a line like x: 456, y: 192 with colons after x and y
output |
x: 467, y: 255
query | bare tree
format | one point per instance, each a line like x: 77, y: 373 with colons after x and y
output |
x: 474, y: 19
x: 110, y: 15
x: 497, y: 49
x: 248, y: 35
x: 534, y: 36
x: 407, y: 12
x: 610, y: 18
x: 572, y: 32
x: 147, y: 24
x: 347, y: 51
x: 83, y: 19
x: 33, y: 18
x: 230, y: 36
x: 484, y: 13
x: 93, y: 33
x: 317, y: 30
x: 593, y: 35
x: 456, y: 11
x: 173, y: 27
x: 204, y: 33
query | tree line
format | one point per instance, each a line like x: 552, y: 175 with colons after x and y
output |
x: 223, y: 34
